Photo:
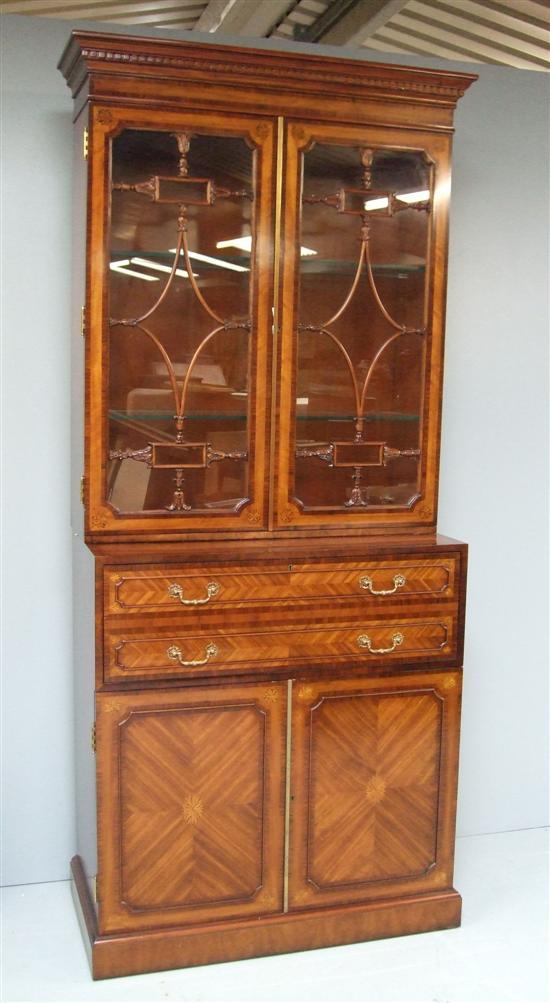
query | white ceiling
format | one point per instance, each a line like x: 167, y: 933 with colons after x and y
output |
x: 504, y: 32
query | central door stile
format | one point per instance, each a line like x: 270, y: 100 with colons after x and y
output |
x: 276, y: 306
x: 288, y: 773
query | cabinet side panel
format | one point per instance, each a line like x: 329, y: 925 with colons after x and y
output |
x: 78, y: 345
x: 84, y: 669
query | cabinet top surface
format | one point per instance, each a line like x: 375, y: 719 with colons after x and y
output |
x: 277, y: 550
x: 87, y: 52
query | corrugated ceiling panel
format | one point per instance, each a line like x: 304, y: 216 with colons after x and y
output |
x: 500, y: 33
x: 504, y: 32
x: 120, y: 11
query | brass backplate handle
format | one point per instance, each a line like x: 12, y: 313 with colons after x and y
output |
x: 364, y: 641
x: 176, y: 591
x: 367, y: 583
x: 174, y: 653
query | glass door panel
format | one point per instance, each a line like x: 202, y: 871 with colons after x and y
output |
x: 183, y: 353
x: 359, y: 328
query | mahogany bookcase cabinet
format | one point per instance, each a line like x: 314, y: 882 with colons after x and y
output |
x: 269, y: 632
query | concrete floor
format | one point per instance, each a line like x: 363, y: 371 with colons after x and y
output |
x: 500, y: 953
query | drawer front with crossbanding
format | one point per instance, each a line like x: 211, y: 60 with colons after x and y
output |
x: 160, y: 654
x: 165, y: 589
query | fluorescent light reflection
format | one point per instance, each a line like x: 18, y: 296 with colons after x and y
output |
x: 213, y: 261
x: 412, y: 197
x: 241, y: 243
x: 409, y: 197
x: 121, y: 268
x: 245, y: 244
x: 145, y: 263
x: 381, y: 203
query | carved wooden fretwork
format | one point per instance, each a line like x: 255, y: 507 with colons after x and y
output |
x: 188, y: 191
x: 355, y: 202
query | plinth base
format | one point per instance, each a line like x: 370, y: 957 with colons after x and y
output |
x: 182, y: 947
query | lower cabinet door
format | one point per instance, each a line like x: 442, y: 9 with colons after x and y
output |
x: 374, y: 770
x: 191, y: 805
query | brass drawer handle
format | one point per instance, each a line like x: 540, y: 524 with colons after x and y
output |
x: 209, y: 652
x: 364, y: 641
x: 398, y: 582
x: 176, y: 591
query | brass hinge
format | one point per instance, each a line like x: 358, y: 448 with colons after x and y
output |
x: 93, y: 882
x: 82, y: 488
x: 93, y: 738
x: 83, y: 321
x: 85, y: 144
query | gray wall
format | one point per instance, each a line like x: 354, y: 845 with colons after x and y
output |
x: 494, y: 452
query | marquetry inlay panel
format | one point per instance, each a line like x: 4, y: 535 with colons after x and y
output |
x: 366, y: 796
x: 377, y: 758
x: 190, y: 806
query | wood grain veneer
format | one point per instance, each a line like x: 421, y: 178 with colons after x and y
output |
x: 373, y: 763
x: 140, y: 653
x: 149, y: 590
x: 191, y: 785
x: 157, y: 950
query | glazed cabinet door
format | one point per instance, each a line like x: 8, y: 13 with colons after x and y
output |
x: 361, y: 326
x: 191, y: 805
x: 179, y: 321
x: 374, y: 767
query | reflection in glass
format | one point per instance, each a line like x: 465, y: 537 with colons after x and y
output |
x: 362, y: 327
x: 179, y: 322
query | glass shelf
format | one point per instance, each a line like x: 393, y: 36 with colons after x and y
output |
x: 209, y: 416
x: 169, y: 416
x: 324, y: 266
x: 308, y: 266
x: 167, y: 257
x: 379, y: 416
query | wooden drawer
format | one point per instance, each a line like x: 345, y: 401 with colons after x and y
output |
x: 138, y: 654
x: 187, y: 590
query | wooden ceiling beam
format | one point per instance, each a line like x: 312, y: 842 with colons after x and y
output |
x: 361, y: 21
x: 244, y: 17
x: 213, y: 15
x: 309, y: 31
